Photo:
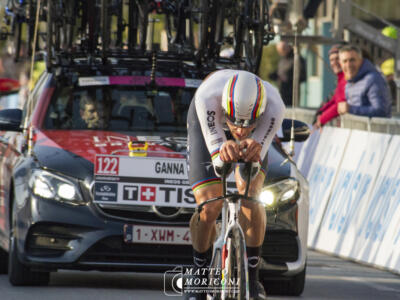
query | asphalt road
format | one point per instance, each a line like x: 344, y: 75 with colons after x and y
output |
x: 327, y: 278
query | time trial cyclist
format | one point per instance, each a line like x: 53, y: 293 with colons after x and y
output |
x: 234, y: 116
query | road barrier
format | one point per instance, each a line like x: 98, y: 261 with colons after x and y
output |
x: 354, y: 178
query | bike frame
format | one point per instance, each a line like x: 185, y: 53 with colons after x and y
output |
x: 230, y: 223
x: 229, y: 226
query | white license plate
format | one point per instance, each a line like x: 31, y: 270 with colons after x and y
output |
x: 157, y: 234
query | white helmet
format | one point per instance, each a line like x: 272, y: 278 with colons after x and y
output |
x: 244, y: 99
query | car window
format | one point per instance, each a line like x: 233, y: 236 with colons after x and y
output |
x: 32, y: 99
x: 119, y: 108
x: 9, y: 101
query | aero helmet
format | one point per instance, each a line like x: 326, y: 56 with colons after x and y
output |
x: 244, y: 99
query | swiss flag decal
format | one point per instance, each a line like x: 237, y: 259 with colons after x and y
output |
x: 148, y: 193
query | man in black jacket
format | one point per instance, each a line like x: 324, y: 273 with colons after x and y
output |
x: 284, y: 73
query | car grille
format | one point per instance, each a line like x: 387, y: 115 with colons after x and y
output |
x: 166, y: 215
x: 115, y: 250
x: 280, y: 247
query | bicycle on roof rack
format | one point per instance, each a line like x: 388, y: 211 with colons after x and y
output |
x: 243, y: 28
x: 192, y: 30
x: 184, y: 27
x: 19, y: 16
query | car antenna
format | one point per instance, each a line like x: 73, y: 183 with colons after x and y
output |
x: 295, y: 93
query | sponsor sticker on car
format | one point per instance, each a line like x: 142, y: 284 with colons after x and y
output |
x: 138, y: 180
x: 138, y: 80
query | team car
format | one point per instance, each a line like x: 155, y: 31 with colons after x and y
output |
x: 93, y: 177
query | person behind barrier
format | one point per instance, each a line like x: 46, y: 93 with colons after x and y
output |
x: 284, y: 72
x: 329, y: 110
x: 367, y: 92
x: 234, y: 115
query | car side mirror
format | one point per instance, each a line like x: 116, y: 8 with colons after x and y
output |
x: 10, y: 119
x: 301, y: 131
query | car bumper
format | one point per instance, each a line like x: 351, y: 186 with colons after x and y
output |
x: 56, y: 235
x: 60, y: 236
x: 286, y: 238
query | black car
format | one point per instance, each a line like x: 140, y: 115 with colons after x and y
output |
x: 57, y: 210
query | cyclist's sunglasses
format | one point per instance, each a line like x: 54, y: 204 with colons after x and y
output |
x: 240, y: 122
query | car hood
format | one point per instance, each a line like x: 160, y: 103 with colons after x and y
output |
x: 73, y: 152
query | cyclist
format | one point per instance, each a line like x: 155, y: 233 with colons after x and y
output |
x: 234, y: 115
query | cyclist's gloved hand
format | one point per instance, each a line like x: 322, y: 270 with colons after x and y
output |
x: 244, y: 170
x: 220, y: 167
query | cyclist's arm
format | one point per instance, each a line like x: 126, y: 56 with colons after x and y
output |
x: 209, y: 111
x: 270, y: 121
x: 210, y: 114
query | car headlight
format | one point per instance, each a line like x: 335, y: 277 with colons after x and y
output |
x: 279, y: 192
x: 51, y: 186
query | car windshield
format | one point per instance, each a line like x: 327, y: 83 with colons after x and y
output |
x: 119, y: 108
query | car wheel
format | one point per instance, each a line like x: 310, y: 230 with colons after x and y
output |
x: 296, y: 284
x: 18, y: 273
x: 292, y: 287
x: 3, y: 262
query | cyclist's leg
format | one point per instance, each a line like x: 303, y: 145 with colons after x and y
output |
x: 253, y: 220
x: 202, y: 227
x: 205, y: 185
x: 204, y: 182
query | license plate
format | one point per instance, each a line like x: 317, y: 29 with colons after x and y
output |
x: 157, y: 235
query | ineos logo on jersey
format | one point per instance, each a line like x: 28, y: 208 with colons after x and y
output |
x: 169, y: 168
x: 211, y: 121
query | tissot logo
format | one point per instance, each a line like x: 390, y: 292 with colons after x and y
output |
x: 130, y: 192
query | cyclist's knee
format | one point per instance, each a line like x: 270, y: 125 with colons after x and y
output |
x: 211, y: 212
x: 255, y: 185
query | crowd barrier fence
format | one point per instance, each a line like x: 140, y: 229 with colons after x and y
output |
x: 354, y: 176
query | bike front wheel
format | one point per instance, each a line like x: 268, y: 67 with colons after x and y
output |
x: 215, y: 276
x: 235, y: 274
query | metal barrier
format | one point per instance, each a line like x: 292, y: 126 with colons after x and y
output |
x: 383, y: 125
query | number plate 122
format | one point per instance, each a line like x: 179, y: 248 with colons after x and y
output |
x: 106, y: 165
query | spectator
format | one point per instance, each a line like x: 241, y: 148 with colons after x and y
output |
x: 329, y: 110
x: 367, y: 92
x: 284, y: 73
x: 387, y: 68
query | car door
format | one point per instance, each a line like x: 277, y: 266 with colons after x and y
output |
x: 12, y: 145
